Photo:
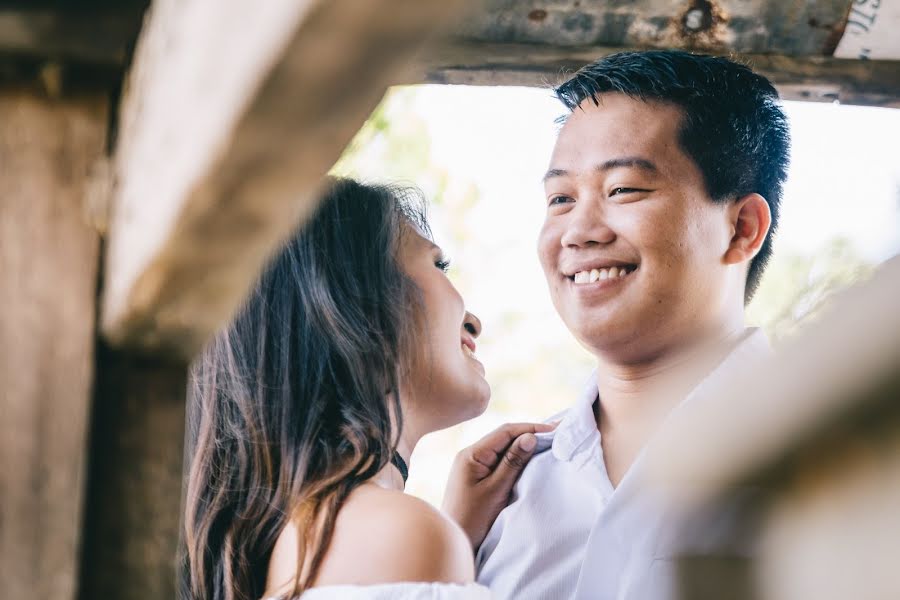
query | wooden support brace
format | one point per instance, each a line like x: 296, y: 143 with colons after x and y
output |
x: 232, y: 114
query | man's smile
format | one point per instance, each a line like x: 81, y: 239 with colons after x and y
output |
x: 593, y: 275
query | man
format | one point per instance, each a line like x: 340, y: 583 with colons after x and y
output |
x: 662, y: 194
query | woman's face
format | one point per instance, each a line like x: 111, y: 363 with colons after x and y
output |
x: 447, y: 384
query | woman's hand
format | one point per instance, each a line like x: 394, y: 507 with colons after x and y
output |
x: 483, y: 475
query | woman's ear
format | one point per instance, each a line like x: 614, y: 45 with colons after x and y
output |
x: 750, y: 222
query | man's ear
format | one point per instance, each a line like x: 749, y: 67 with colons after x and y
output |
x: 750, y: 222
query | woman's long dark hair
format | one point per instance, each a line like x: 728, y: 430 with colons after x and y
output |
x: 289, y: 408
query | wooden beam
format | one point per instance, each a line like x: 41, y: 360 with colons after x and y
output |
x: 743, y: 26
x: 811, y: 78
x: 48, y: 287
x: 232, y: 114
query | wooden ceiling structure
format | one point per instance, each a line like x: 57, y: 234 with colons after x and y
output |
x: 153, y: 156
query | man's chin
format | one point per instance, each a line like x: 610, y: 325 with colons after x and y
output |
x: 602, y: 336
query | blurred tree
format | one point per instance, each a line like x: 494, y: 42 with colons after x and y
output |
x: 796, y: 287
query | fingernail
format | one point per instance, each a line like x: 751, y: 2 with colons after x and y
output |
x: 528, y: 442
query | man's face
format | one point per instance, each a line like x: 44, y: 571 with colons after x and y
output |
x: 625, y: 203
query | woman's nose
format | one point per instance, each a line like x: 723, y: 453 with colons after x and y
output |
x: 472, y: 324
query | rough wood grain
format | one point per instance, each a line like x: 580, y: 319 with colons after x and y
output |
x: 232, y: 115
x: 787, y: 27
x: 48, y: 285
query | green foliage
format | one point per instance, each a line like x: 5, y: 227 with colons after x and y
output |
x: 796, y: 287
x: 393, y: 144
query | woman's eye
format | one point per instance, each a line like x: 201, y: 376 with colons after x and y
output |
x: 560, y: 200
x: 443, y: 264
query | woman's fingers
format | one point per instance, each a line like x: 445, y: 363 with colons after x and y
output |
x: 489, y: 450
x: 484, y: 473
x: 513, y: 462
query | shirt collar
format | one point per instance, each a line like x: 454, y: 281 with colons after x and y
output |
x: 579, y: 423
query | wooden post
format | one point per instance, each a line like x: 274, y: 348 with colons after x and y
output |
x: 134, y: 500
x: 48, y: 290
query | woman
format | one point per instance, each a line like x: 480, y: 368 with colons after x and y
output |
x: 306, y: 409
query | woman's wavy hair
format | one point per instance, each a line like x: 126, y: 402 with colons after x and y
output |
x: 290, y: 405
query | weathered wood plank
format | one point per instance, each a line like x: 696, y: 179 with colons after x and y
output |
x: 837, y: 380
x: 787, y: 27
x: 814, y: 435
x: 869, y: 83
x: 232, y: 114
x: 48, y: 287
x: 133, y: 503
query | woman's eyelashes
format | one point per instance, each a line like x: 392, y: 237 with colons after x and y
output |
x: 442, y: 263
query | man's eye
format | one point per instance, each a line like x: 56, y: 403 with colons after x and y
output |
x: 560, y: 200
x: 624, y: 190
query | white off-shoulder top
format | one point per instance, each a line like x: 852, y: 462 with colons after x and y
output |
x: 398, y: 591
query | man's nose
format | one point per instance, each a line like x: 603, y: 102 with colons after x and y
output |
x: 587, y: 226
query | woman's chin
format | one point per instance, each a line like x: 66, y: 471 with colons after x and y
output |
x: 480, y: 403
x: 475, y: 402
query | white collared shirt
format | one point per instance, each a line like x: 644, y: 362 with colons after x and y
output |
x: 569, y: 534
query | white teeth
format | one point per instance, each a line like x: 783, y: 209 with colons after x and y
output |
x: 468, y: 351
x: 601, y: 274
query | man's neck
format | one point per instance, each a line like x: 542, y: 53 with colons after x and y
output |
x: 636, y: 397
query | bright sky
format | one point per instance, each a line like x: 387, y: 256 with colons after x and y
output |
x: 844, y: 182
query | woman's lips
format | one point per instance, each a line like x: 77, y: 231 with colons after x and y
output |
x: 468, y: 347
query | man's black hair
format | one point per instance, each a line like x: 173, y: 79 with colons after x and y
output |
x: 734, y: 128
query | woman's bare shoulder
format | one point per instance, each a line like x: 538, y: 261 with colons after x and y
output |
x: 383, y: 536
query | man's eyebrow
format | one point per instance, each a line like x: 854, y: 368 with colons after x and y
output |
x: 633, y: 162
x: 554, y: 173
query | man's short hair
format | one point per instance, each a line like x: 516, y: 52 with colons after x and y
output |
x: 734, y: 128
